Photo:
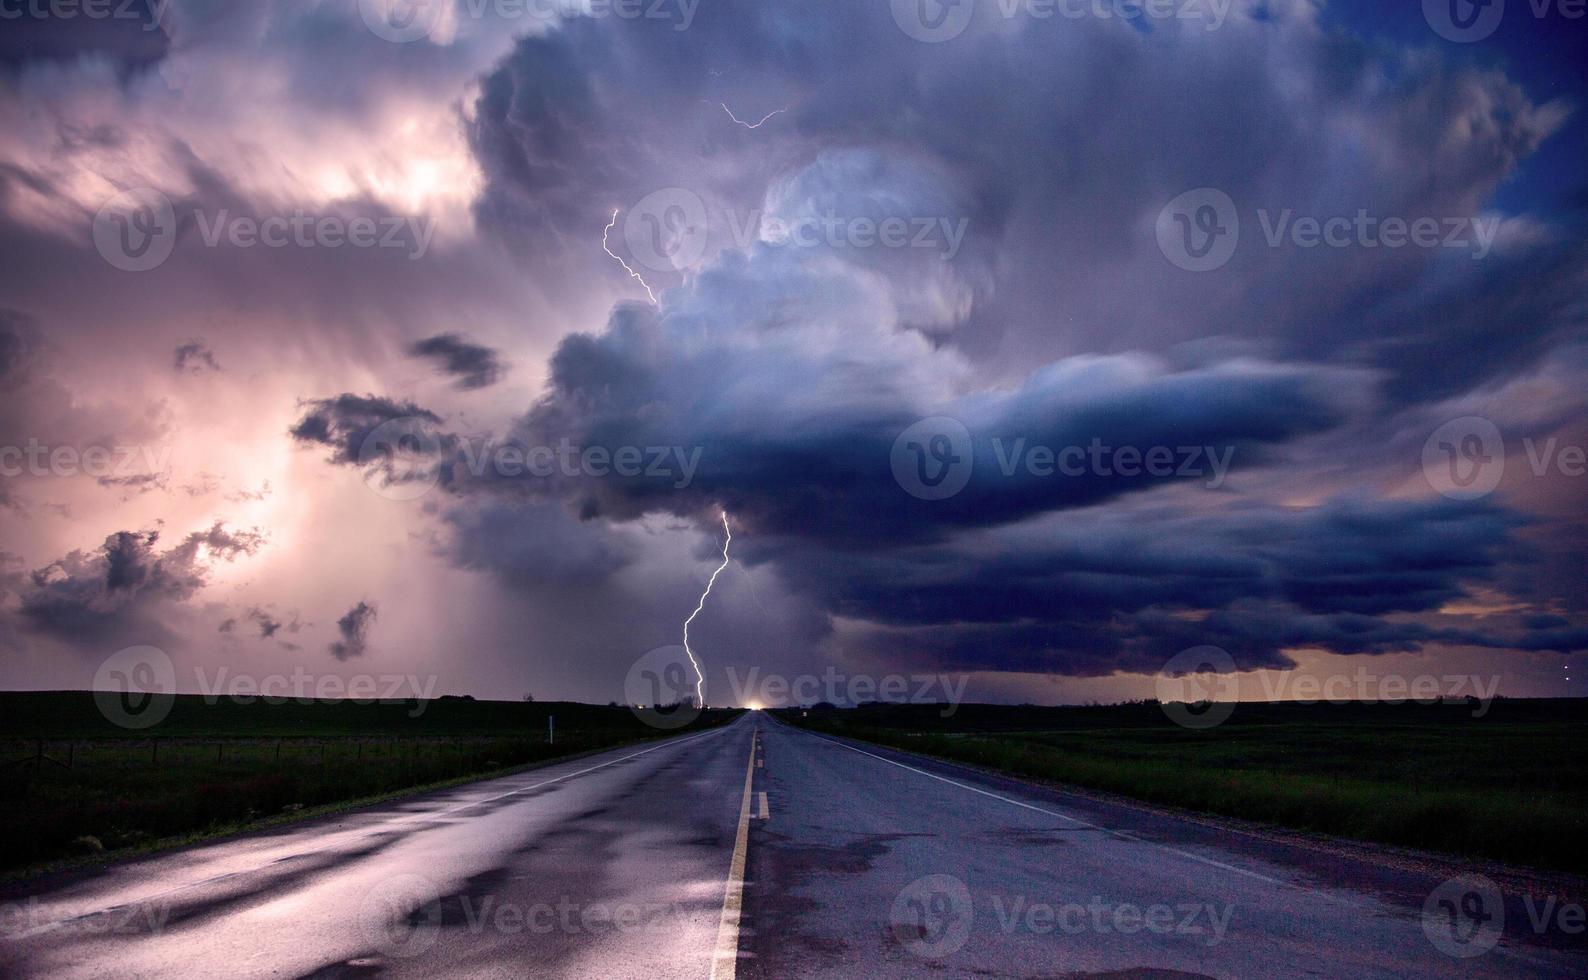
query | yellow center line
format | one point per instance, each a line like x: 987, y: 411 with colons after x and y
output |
x: 725, y: 962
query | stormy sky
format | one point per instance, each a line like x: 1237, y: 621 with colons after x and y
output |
x: 1034, y: 342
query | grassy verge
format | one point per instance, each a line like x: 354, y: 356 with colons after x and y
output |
x: 77, y: 789
x: 1508, y: 786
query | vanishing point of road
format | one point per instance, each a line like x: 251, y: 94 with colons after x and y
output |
x: 761, y: 850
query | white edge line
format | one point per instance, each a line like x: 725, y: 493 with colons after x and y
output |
x: 1078, y: 822
x: 1503, y: 949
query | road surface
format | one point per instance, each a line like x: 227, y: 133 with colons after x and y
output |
x: 759, y: 850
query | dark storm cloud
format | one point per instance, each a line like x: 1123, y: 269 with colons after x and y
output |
x: 267, y: 626
x: 823, y: 467
x: 17, y: 341
x: 1100, y: 590
x: 16, y: 347
x: 1015, y: 573
x: 367, y: 429
x: 194, y: 357
x: 1064, y: 185
x: 527, y: 545
x: 824, y: 470
x: 470, y: 365
x: 128, y: 584
x: 354, y: 628
x: 136, y: 483
x: 792, y: 371
x: 127, y: 33
x: 1358, y: 556
x: 793, y: 378
x: 265, y: 620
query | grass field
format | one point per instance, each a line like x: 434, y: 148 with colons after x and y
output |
x: 72, y: 783
x: 1511, y: 785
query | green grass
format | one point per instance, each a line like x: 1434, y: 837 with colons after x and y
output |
x: 1511, y: 786
x: 216, y: 768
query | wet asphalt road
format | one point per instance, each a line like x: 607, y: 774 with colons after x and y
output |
x: 611, y: 865
x: 849, y: 860
x: 893, y: 865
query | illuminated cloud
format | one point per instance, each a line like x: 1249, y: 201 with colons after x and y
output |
x: 787, y: 351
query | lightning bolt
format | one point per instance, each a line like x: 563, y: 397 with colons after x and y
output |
x: 741, y: 121
x: 610, y: 225
x: 700, y: 679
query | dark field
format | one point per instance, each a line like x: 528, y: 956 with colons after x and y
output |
x: 1511, y: 785
x: 68, y: 775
